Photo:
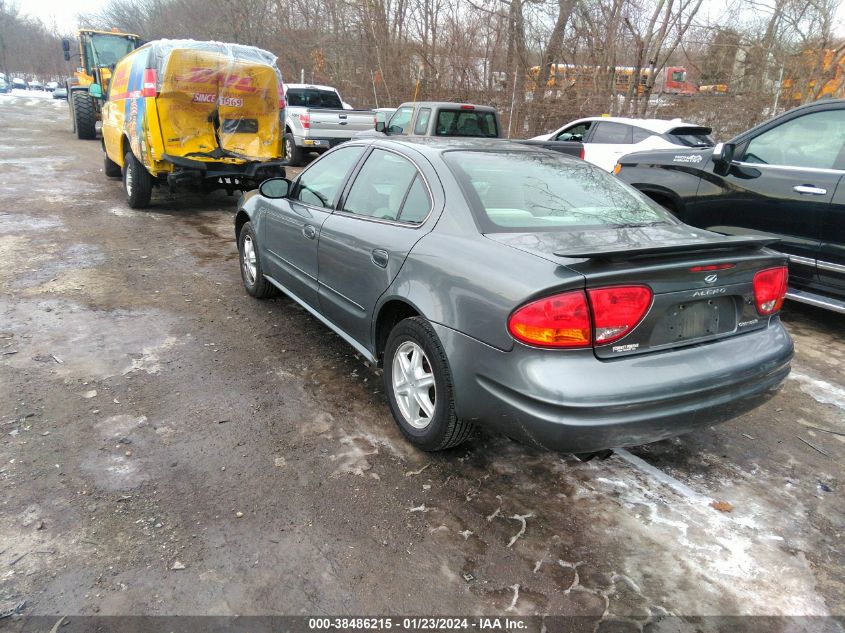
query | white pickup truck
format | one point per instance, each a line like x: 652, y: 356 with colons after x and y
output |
x: 317, y: 119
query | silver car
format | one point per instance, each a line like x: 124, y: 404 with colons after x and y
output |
x: 520, y: 289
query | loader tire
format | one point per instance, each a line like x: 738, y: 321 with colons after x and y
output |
x: 84, y: 115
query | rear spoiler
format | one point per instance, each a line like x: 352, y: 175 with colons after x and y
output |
x: 692, y: 130
x: 729, y: 243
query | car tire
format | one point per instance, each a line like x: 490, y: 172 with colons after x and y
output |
x: 251, y: 271
x: 137, y: 182
x: 84, y: 115
x: 111, y: 168
x: 293, y: 154
x: 426, y: 417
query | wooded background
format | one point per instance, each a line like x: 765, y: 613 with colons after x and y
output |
x: 384, y: 52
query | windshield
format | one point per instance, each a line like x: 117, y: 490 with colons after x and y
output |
x: 466, y: 123
x: 314, y: 98
x: 109, y: 50
x: 540, y: 191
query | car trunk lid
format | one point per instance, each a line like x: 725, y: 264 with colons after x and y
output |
x: 702, y: 283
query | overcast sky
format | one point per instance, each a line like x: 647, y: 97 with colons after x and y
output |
x: 62, y: 13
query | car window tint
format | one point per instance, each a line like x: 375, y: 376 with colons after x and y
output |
x: 313, y: 98
x: 639, y: 135
x: 539, y: 191
x: 400, y: 120
x: 466, y: 123
x: 380, y: 187
x: 609, y: 132
x: 422, y: 121
x: 318, y: 185
x: 574, y: 133
x: 813, y: 140
x: 417, y: 203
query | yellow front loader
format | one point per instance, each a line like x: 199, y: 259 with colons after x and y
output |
x: 99, y: 52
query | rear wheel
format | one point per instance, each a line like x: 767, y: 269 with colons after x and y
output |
x: 111, y: 168
x: 251, y: 272
x: 84, y: 115
x: 293, y: 154
x: 418, y: 384
x: 137, y: 182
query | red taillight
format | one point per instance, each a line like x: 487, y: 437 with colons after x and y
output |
x: 559, y: 321
x: 305, y: 120
x: 770, y: 289
x: 150, y: 82
x: 617, y: 311
x: 467, y: 107
x: 581, y: 154
x: 702, y: 269
x: 281, y: 96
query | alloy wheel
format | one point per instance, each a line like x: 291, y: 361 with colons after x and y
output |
x: 413, y: 385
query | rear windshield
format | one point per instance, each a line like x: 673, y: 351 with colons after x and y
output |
x: 466, y: 123
x: 691, y: 136
x: 539, y: 191
x: 314, y: 98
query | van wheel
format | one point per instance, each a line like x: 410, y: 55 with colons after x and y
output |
x: 418, y: 384
x: 137, y: 182
x: 111, y: 168
x: 293, y: 154
x: 84, y: 115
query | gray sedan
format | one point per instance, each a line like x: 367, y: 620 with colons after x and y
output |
x: 520, y: 289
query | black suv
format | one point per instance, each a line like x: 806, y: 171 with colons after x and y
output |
x: 782, y: 179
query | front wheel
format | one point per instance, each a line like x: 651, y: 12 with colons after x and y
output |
x: 418, y: 384
x: 137, y: 182
x: 251, y: 272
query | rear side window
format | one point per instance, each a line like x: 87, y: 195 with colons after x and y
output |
x: 313, y: 98
x: 610, y: 132
x: 422, y: 121
x: 639, y: 135
x: 466, y: 123
x: 417, y: 203
x: 380, y: 188
x: 534, y: 191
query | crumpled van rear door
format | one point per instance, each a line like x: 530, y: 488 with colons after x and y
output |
x: 218, y: 104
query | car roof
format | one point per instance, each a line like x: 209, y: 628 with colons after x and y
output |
x: 448, y: 104
x: 429, y: 145
x: 658, y: 126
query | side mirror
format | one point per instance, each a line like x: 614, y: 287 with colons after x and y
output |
x: 379, y: 126
x: 96, y: 91
x: 723, y: 155
x: 275, y: 188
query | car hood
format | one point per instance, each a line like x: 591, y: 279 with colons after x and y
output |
x: 560, y: 246
x: 694, y: 157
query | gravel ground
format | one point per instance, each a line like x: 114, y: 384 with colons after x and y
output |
x: 171, y: 446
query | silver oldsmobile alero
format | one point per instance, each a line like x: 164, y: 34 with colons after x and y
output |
x: 517, y: 288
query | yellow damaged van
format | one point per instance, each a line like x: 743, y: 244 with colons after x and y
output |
x: 185, y: 113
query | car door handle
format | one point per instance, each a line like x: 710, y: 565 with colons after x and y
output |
x: 309, y: 231
x: 380, y: 257
x: 809, y: 190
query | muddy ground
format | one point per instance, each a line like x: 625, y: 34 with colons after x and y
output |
x: 153, y: 417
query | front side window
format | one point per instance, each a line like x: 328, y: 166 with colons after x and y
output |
x: 381, y: 187
x: 812, y: 141
x: 400, y: 121
x: 466, y: 123
x: 422, y: 121
x: 536, y: 191
x: 574, y: 133
x: 612, y: 133
x: 318, y: 185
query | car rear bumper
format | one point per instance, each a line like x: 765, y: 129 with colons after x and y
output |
x: 573, y: 402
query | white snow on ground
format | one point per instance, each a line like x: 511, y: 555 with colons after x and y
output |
x: 820, y: 390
